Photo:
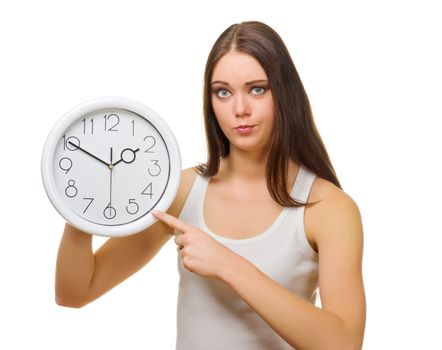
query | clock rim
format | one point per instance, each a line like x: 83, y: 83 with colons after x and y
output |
x: 49, y: 151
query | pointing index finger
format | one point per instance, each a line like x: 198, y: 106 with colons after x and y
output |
x: 170, y: 220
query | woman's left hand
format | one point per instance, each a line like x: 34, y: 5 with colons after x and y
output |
x: 199, y: 252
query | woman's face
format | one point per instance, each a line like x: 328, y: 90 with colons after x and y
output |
x: 241, y: 96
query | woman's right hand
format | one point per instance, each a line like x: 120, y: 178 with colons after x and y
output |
x: 82, y: 275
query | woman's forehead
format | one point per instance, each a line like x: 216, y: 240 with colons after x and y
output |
x: 237, y: 67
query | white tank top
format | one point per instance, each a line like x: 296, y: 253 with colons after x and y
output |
x: 210, y: 314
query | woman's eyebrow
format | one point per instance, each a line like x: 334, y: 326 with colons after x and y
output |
x: 258, y: 81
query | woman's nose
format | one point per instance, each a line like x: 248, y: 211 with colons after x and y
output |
x: 241, y: 105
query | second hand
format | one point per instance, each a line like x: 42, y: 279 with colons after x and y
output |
x: 110, y: 167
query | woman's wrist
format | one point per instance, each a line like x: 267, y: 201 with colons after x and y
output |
x: 233, y: 266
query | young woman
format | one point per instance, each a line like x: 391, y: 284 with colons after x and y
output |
x: 259, y: 228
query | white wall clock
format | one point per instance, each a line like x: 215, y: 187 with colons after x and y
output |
x: 107, y: 163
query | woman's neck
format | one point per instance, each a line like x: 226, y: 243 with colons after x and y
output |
x: 243, y: 166
x: 240, y: 168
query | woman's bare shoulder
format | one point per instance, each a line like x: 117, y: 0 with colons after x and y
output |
x: 332, y: 201
x: 325, y: 191
x: 329, y: 201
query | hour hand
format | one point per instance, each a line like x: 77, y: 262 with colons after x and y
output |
x: 127, y: 155
x: 90, y: 154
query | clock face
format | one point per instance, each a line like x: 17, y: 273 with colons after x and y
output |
x: 110, y: 167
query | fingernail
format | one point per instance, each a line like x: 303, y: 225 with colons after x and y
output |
x: 155, y: 212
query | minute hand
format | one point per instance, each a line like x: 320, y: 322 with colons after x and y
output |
x: 90, y: 154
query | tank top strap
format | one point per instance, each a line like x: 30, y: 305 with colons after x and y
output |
x: 188, y: 211
x: 303, y: 184
x: 295, y: 219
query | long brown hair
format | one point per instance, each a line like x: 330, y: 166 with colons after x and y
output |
x: 295, y: 135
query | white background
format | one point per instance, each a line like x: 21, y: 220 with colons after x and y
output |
x: 373, y: 74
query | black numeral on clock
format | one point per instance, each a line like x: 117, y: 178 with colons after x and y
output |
x: 155, y: 163
x: 109, y: 212
x: 67, y: 143
x: 65, y: 164
x: 148, y: 193
x: 91, y: 200
x: 148, y: 150
x: 84, y: 126
x: 133, y: 207
x: 111, y: 121
x: 71, y: 191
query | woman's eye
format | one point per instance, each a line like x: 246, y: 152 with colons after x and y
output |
x: 222, y: 93
x: 258, y: 90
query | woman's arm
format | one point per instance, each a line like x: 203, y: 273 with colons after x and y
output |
x: 82, y: 276
x: 75, y: 266
x: 341, y: 321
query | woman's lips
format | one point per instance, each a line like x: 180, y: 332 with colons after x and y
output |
x: 243, y: 130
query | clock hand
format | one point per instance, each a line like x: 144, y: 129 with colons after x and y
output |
x: 90, y: 154
x: 122, y: 160
x: 109, y: 211
x: 110, y: 167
